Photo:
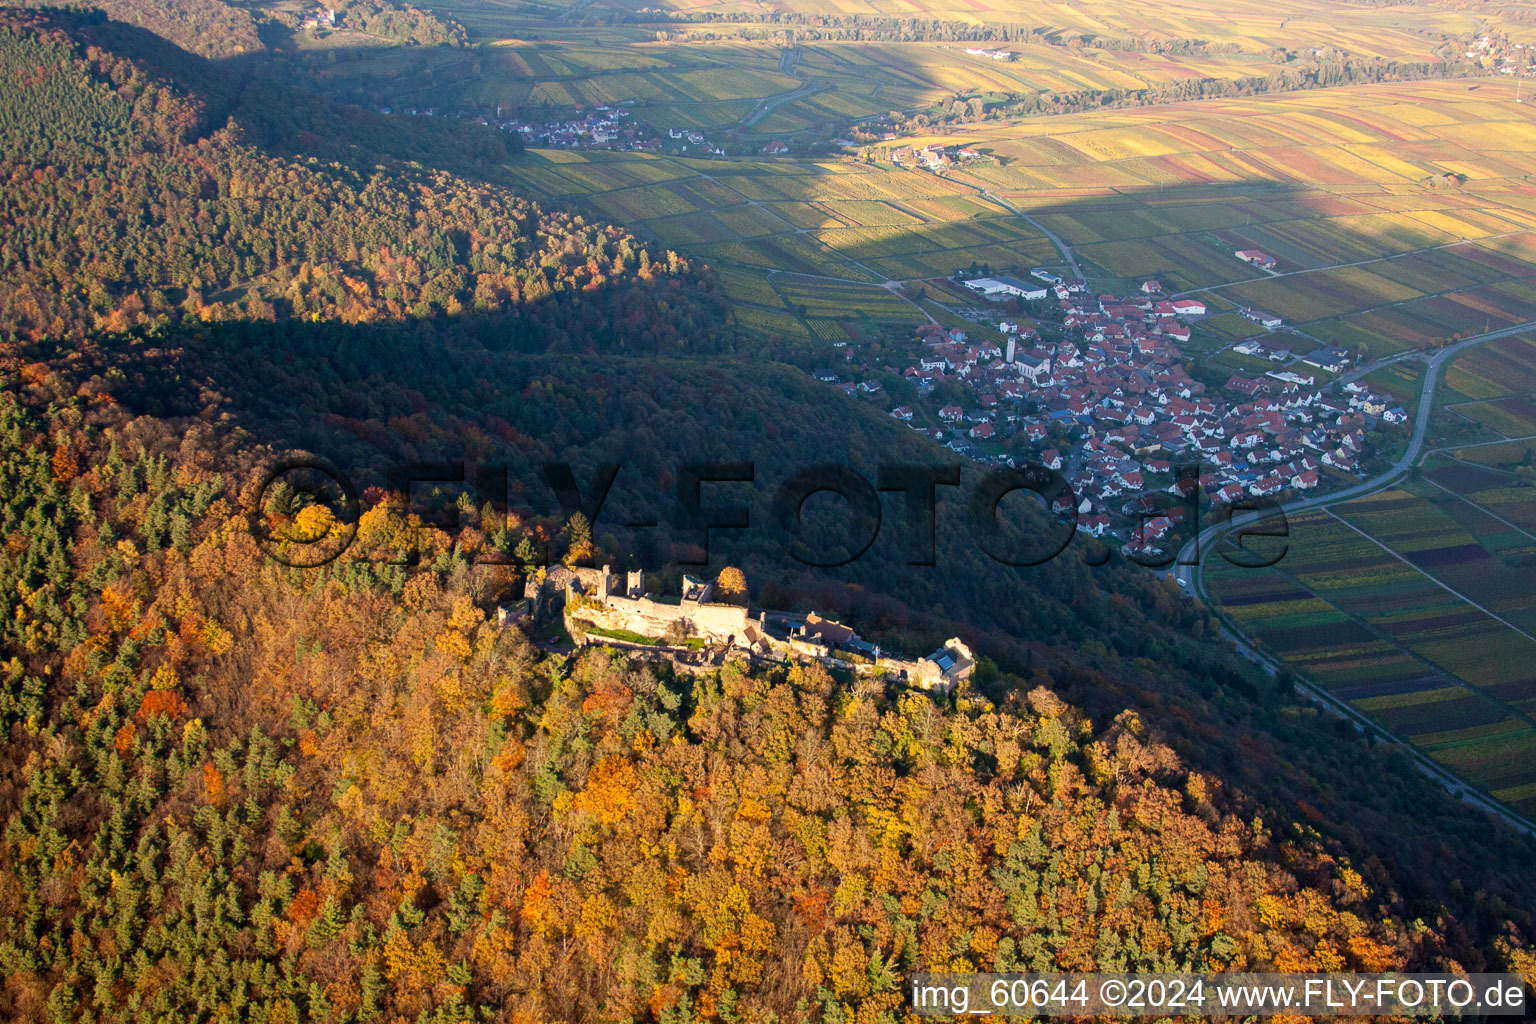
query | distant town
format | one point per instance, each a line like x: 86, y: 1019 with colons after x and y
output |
x: 606, y: 127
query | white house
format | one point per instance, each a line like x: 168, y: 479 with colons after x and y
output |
x: 992, y: 287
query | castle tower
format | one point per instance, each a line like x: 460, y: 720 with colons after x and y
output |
x: 635, y: 585
x: 602, y: 584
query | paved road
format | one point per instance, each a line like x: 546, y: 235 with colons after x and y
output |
x: 1381, y: 480
x: 1191, y: 576
x: 1056, y: 240
x: 772, y: 103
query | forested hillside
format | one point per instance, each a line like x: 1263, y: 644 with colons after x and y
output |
x: 211, y: 28
x: 238, y: 790
x: 402, y: 24
x: 125, y: 206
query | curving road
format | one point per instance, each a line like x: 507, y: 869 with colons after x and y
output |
x: 1055, y: 239
x: 1189, y: 573
x: 768, y: 105
x: 1191, y: 564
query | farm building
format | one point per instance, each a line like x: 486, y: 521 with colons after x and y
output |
x: 1266, y: 346
x: 992, y: 287
x: 1263, y: 319
x: 1258, y: 258
x: 1330, y: 359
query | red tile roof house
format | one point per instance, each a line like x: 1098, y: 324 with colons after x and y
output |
x: 1244, y: 385
x: 982, y: 431
x: 1095, y: 525
x: 951, y: 413
x: 1189, y: 307
x: 902, y: 412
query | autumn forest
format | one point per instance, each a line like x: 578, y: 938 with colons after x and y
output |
x: 236, y: 790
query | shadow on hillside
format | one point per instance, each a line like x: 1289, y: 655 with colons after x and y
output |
x: 283, y: 103
x: 590, y: 379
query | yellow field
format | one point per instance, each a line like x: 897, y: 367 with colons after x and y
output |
x: 830, y: 227
x: 1399, y: 31
x: 1425, y: 184
x: 1400, y: 213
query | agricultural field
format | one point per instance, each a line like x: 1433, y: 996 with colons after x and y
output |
x: 1379, y: 251
x: 800, y: 240
x: 1502, y: 491
x: 712, y: 76
x: 1411, y: 606
x: 1505, y: 455
x: 535, y: 54
x: 1494, y: 385
x: 1406, y: 30
x: 1401, y: 215
x: 1414, y: 604
x: 1402, y: 382
x: 818, y: 297
x: 864, y: 79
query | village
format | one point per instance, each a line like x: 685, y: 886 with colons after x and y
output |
x: 1110, y: 404
x: 1497, y: 52
x: 707, y: 623
x: 613, y: 128
x: 599, y: 127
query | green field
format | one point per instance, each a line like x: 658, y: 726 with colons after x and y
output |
x: 1374, y: 602
x: 795, y: 240
x: 1414, y: 605
x: 1495, y: 386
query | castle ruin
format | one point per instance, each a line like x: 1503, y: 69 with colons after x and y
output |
x: 599, y: 602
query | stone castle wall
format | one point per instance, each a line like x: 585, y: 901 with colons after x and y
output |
x: 592, y: 596
x: 714, y: 623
